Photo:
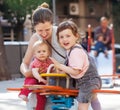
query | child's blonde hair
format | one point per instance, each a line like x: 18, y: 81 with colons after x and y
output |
x: 40, y: 43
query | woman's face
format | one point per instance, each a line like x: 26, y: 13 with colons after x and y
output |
x: 44, y: 30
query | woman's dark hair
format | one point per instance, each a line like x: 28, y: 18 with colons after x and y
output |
x: 42, y: 14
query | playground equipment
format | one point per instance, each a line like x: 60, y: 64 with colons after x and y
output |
x: 106, y: 66
x: 63, y: 97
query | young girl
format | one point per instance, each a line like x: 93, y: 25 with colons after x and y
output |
x: 39, y: 65
x: 80, y: 66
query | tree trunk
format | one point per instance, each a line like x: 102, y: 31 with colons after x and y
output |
x: 4, y: 74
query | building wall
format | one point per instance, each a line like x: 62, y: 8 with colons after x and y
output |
x: 95, y: 9
x: 90, y: 11
x: 63, y: 11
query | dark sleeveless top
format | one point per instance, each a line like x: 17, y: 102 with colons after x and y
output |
x: 91, y: 76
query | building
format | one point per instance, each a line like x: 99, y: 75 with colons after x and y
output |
x: 83, y: 12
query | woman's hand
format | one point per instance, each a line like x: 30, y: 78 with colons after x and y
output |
x: 25, y: 70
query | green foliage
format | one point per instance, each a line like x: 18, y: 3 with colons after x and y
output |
x: 22, y: 7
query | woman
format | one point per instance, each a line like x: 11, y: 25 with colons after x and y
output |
x: 44, y: 30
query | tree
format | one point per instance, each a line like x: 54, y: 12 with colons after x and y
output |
x: 4, y: 74
x: 18, y: 9
x: 11, y: 9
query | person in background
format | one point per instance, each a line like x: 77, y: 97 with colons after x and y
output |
x: 100, y: 46
x: 104, y: 29
x: 39, y: 65
x: 79, y: 65
x: 27, y: 28
x: 42, y: 20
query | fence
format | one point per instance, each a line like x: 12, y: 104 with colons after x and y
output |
x: 15, y: 52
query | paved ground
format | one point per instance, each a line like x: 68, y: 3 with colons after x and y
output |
x: 9, y: 99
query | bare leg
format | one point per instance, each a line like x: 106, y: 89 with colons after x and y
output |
x: 95, y: 104
x: 83, y: 106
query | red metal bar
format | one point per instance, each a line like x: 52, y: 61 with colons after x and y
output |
x: 64, y: 91
x: 89, y: 38
x: 107, y: 91
x: 14, y: 89
x: 113, y: 49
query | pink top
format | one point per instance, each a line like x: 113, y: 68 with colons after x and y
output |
x: 78, y: 59
x: 43, y: 65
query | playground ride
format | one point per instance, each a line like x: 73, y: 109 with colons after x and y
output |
x: 63, y: 97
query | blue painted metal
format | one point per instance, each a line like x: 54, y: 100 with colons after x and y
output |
x: 61, y: 102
